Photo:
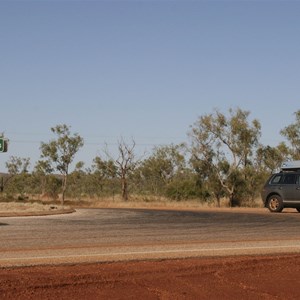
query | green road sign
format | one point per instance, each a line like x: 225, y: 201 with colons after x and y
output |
x: 3, y: 145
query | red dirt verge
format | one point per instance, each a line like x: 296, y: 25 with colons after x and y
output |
x: 251, y: 277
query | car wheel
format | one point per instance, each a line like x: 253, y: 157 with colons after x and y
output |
x: 275, y: 203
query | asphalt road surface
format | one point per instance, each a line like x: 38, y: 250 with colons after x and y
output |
x: 101, y: 235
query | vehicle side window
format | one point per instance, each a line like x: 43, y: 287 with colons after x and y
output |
x: 290, y: 179
x: 276, y: 179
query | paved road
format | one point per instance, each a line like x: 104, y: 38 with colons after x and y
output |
x: 93, y: 235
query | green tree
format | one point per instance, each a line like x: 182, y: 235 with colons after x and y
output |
x: 46, y: 183
x: 40, y: 173
x: 158, y: 170
x: 226, y: 145
x: 77, y: 180
x: 16, y: 166
x: 208, y: 181
x: 60, y: 152
x: 269, y: 159
x: 104, y: 172
x: 106, y: 169
x: 292, y: 134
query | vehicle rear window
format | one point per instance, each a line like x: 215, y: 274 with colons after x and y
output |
x: 276, y: 179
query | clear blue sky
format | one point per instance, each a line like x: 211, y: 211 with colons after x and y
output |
x: 143, y: 69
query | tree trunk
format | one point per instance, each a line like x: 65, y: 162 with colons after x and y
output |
x: 124, y: 189
x: 2, y: 185
x: 64, y: 190
x: 231, y: 200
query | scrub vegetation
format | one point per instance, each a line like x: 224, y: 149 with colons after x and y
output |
x: 223, y: 164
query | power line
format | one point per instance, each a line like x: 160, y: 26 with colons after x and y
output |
x: 90, y: 143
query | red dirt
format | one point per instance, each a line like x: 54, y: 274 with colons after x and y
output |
x: 252, y: 277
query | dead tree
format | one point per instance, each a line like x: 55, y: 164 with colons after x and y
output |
x: 124, y: 163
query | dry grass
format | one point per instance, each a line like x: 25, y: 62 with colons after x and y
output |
x: 15, y: 207
x: 135, y: 201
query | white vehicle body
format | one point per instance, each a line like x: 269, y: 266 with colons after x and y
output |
x: 292, y: 165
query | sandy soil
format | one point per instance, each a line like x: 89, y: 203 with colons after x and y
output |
x: 12, y: 209
x: 262, y: 277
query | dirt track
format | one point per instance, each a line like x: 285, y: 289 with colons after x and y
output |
x: 258, y: 277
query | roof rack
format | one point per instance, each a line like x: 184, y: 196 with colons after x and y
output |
x: 290, y: 166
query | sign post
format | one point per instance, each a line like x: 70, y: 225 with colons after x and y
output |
x: 3, y: 145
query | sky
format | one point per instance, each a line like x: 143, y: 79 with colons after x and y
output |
x: 143, y: 70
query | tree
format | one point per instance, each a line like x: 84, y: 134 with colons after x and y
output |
x: 208, y: 181
x: 61, y: 151
x: 225, y: 144
x: 106, y: 169
x: 269, y: 159
x: 292, y: 134
x: 125, y: 163
x: 41, y: 170
x: 15, y: 166
x: 161, y: 167
x: 104, y: 173
x: 77, y: 181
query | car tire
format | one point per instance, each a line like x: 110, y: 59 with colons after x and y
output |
x: 275, y: 203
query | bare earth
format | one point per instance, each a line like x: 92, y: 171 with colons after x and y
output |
x: 249, y: 277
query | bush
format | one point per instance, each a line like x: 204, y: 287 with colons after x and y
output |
x: 182, y: 190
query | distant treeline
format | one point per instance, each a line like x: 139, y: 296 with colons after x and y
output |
x: 223, y: 159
